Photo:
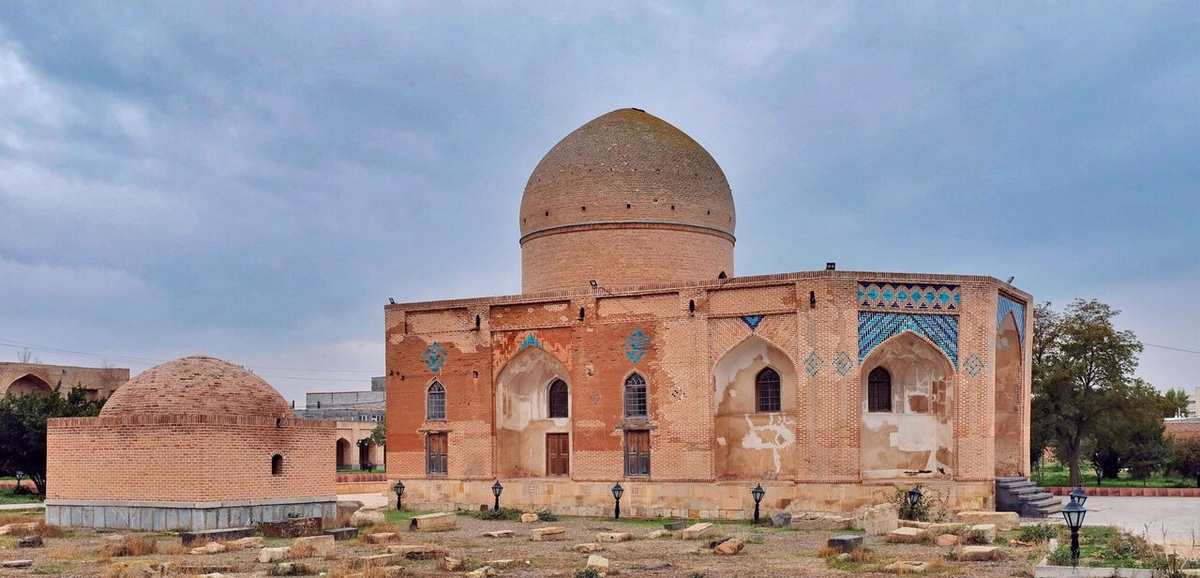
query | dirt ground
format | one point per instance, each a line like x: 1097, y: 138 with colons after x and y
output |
x: 768, y: 552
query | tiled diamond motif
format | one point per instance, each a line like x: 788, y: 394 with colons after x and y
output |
x: 843, y: 364
x: 434, y: 357
x: 812, y: 363
x: 908, y: 297
x: 875, y: 327
x: 636, y: 345
x: 1017, y: 308
x: 973, y: 365
x: 752, y: 321
x: 531, y: 340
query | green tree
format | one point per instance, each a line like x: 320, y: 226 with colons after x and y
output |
x: 379, y: 434
x: 1133, y: 439
x: 1175, y: 403
x: 23, y: 428
x: 1186, y: 458
x: 1082, y: 378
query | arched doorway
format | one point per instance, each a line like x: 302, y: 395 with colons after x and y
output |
x: 344, y: 455
x: 907, y: 403
x: 533, y: 417
x: 27, y: 383
x: 755, y: 425
x: 1011, y: 451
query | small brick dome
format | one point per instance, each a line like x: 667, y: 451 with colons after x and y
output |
x: 625, y: 171
x: 197, y: 385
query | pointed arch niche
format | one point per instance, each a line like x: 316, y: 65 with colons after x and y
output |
x: 1011, y: 451
x: 754, y: 444
x: 523, y: 409
x: 915, y: 433
x: 27, y: 383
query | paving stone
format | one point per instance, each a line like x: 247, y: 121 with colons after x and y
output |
x: 249, y: 542
x: 482, y: 572
x: 367, y: 517
x: 209, y: 548
x: 501, y: 564
x: 878, y: 520
x: 221, y: 535
x: 292, y: 527
x: 696, y: 530
x: 845, y: 542
x: 34, y: 541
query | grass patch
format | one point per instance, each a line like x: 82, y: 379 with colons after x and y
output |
x: 23, y: 498
x: 1108, y: 547
x: 130, y: 546
x: 1056, y: 475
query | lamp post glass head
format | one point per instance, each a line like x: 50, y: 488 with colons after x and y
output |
x: 19, y: 474
x: 618, y: 491
x: 399, y: 487
x: 758, y: 492
x: 1078, y: 495
x: 497, y: 488
x: 1073, y: 513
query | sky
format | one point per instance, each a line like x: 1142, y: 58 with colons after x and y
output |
x: 254, y: 180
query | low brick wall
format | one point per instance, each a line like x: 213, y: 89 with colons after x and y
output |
x: 363, y: 488
x: 1143, y: 492
x: 343, y: 478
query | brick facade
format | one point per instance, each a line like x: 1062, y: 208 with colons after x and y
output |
x: 99, y: 382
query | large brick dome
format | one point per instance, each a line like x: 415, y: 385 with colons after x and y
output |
x: 197, y: 385
x: 625, y: 199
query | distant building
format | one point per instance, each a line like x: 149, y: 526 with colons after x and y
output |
x: 356, y: 414
x: 22, y: 378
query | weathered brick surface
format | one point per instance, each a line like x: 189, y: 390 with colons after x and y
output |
x: 100, y: 382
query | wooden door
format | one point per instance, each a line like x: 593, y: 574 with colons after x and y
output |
x: 435, y: 454
x: 637, y: 453
x: 558, y: 454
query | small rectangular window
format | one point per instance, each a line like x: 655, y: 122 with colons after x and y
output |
x: 637, y: 453
x: 435, y: 454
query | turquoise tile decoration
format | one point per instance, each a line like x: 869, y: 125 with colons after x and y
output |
x: 908, y: 297
x: 531, y: 340
x: 875, y: 327
x: 1017, y: 308
x: 752, y: 321
x: 812, y: 363
x: 974, y: 365
x: 636, y: 345
x: 843, y: 364
x: 434, y: 357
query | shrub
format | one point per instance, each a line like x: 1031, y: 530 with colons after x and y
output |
x: 588, y: 572
x: 1037, y: 533
x: 546, y: 515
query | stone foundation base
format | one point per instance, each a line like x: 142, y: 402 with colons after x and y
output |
x: 183, y: 516
x: 703, y: 500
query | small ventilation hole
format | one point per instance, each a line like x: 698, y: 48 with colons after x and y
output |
x: 547, y: 213
x: 627, y: 205
x: 583, y: 208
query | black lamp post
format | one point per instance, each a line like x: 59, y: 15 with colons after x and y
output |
x: 1078, y: 495
x: 496, y: 489
x: 1074, y: 513
x: 914, y: 500
x: 757, y: 494
x: 399, y: 487
x: 19, y: 475
x: 617, y: 491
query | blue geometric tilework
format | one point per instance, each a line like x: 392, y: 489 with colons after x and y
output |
x: 842, y: 363
x: 752, y: 321
x: 973, y: 365
x: 531, y: 340
x: 636, y: 345
x: 434, y: 357
x: 1016, y: 308
x: 874, y: 327
x: 812, y: 363
x: 908, y: 297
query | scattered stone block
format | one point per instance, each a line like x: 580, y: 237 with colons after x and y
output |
x: 342, y: 533
x: 597, y: 562
x: 292, y: 527
x: 379, y: 560
x: 18, y: 528
x: 450, y: 564
x: 16, y: 563
x: 697, y: 530
x: 588, y: 548
x: 946, y: 528
x: 1002, y: 520
x: 657, y: 534
x: 482, y: 572
x: 981, y: 534
x: 821, y: 521
x: 845, y: 542
x: 729, y: 547
x: 439, y: 522
x: 209, y: 548
x: 499, y: 534
x: 312, y: 547
x: 268, y: 555
x: 367, y: 517
x: 675, y: 526
x: 907, y: 535
x: 501, y: 564
x: 419, y: 551
x: 946, y: 540
x: 715, y: 542
x: 33, y: 541
x: 529, y: 518
x: 907, y: 567
x: 221, y: 535
x: 136, y: 569
x: 381, y: 538
x: 613, y: 537
x: 781, y: 520
x: 212, y: 575
x: 548, y: 534
x: 978, y: 553
x: 657, y: 566
x: 878, y: 520
x: 248, y: 542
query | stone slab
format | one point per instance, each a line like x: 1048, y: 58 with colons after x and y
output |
x: 292, y: 528
x: 613, y: 537
x: 978, y: 553
x: 981, y: 534
x: 675, y: 526
x: 1002, y: 520
x: 907, y: 567
x: 845, y: 542
x: 314, y: 546
x: 419, y: 551
x: 341, y: 533
x: 499, y: 534
x: 696, y: 530
x: 378, y: 560
x: 268, y: 555
x: 907, y: 535
x: 729, y: 547
x: 588, y: 548
x: 223, y: 535
x: 381, y: 538
x: 551, y: 533
x: 16, y: 563
x: 438, y: 522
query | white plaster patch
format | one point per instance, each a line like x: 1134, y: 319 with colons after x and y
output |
x: 721, y: 442
x: 778, y: 433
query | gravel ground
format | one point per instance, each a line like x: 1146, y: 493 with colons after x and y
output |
x: 768, y: 552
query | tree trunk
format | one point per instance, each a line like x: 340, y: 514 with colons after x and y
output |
x: 39, y: 480
x: 1076, y: 478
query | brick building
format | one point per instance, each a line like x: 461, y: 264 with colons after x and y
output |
x: 22, y: 378
x: 356, y: 413
x: 634, y: 355
x: 196, y: 443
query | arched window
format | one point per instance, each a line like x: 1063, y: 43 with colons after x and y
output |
x: 559, y: 401
x: 276, y: 465
x: 879, y: 390
x: 635, y: 396
x: 435, y: 402
x: 766, y: 390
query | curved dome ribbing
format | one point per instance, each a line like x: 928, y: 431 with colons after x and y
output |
x: 626, y: 171
x: 197, y: 385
